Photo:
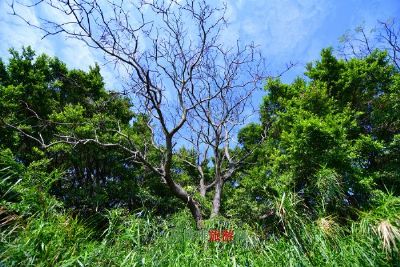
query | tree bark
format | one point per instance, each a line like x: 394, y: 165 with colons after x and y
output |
x: 191, y: 203
x: 194, y: 207
x: 202, y: 188
x: 178, y: 190
x: 217, y: 198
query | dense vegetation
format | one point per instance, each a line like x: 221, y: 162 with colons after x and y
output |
x: 321, y: 186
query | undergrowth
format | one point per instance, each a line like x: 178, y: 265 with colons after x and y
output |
x: 37, y: 231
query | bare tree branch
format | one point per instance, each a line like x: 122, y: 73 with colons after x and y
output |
x: 180, y: 74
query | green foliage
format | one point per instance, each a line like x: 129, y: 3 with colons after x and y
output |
x: 39, y: 95
x: 331, y: 144
x: 321, y: 187
x: 51, y: 236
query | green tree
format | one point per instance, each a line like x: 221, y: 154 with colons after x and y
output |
x: 41, y: 99
x: 331, y: 141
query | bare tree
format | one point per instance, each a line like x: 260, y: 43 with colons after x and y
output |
x: 389, y: 36
x: 362, y: 42
x: 179, y: 73
x: 214, y: 123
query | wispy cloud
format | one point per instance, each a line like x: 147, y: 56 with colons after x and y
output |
x: 296, y: 30
x: 15, y: 33
x: 281, y: 27
x: 286, y: 30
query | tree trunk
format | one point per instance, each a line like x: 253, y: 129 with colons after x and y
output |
x: 194, y: 207
x: 217, y: 198
x: 178, y: 190
x: 191, y: 203
x: 202, y: 188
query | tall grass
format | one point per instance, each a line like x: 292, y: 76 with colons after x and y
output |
x: 35, y: 230
x: 130, y: 240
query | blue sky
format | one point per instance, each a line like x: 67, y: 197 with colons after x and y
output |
x: 286, y: 30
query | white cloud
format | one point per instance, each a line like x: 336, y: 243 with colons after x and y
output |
x: 279, y: 26
x: 15, y: 33
x: 285, y: 29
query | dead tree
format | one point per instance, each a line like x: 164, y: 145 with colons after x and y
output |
x: 362, y: 42
x: 214, y: 123
x: 178, y: 72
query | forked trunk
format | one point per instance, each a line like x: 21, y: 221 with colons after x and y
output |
x: 191, y: 203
